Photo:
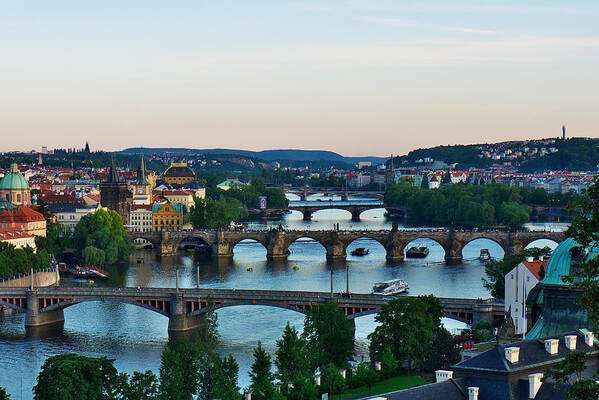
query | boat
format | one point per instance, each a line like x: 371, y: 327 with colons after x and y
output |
x: 250, y: 269
x: 390, y: 288
x: 360, y: 251
x: 484, y: 255
x: 417, y: 252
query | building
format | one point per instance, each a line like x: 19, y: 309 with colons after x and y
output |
x: 167, y: 217
x: 142, y: 189
x: 17, y: 238
x: 24, y: 219
x: 14, y: 188
x: 178, y: 174
x: 183, y: 197
x: 69, y: 214
x: 114, y: 193
x: 140, y: 218
x: 518, y: 284
x: 552, y: 305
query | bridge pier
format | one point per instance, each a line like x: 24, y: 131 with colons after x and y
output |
x: 336, y: 251
x: 35, y: 319
x: 482, y: 312
x: 355, y: 215
x: 307, y: 214
x: 179, y: 324
x: 344, y: 197
x: 276, y: 249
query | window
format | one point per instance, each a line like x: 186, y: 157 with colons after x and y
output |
x: 512, y: 277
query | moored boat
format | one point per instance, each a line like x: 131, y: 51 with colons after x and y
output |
x: 360, y: 251
x: 484, y: 255
x: 417, y: 252
x: 390, y: 288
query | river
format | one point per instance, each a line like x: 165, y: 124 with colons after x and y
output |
x: 135, y: 337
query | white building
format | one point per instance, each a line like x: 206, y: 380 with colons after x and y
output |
x: 70, y: 214
x: 518, y: 283
x: 140, y: 218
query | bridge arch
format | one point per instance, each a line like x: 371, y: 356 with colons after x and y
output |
x: 159, y: 306
x: 143, y: 242
x: 470, y: 250
x: 239, y: 244
x: 378, y: 243
x: 340, y: 209
x: 421, y: 240
x: 217, y: 306
x: 307, y: 239
x: 541, y: 242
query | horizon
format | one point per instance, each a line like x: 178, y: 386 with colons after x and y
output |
x: 360, y: 78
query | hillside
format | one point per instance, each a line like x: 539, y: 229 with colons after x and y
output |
x: 266, y: 155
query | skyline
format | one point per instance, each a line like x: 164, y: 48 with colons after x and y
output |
x: 360, y: 78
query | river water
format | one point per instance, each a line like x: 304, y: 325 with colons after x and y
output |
x: 135, y: 337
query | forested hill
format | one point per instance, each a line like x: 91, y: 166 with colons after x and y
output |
x: 576, y: 154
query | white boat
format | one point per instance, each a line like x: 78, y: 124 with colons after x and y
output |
x: 390, y: 288
x: 484, y: 255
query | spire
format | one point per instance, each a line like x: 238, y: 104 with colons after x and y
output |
x: 141, y: 173
x: 113, y: 175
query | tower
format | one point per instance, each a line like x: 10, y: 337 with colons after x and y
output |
x: 564, y: 132
x: 142, y: 190
x: 39, y: 159
x: 114, y: 192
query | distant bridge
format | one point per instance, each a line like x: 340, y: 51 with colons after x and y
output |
x: 185, y: 308
x: 336, y: 242
x: 304, y: 192
x: 356, y: 209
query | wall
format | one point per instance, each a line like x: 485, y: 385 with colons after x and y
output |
x: 45, y: 278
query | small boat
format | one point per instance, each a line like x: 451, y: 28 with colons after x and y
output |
x: 417, y: 252
x: 360, y: 251
x: 390, y: 288
x: 295, y: 267
x: 250, y: 269
x: 484, y: 255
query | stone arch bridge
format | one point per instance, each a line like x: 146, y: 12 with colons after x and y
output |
x: 336, y: 242
x: 303, y: 192
x: 186, y: 308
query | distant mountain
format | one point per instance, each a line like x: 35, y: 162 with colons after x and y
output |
x: 267, y: 155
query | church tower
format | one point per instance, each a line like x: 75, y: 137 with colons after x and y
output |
x: 114, y: 192
x: 142, y: 189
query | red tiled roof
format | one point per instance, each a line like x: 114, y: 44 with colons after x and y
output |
x: 535, y: 266
x: 138, y: 206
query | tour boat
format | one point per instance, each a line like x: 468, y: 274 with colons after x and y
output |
x: 417, y: 252
x: 390, y: 288
x: 360, y: 251
x: 484, y: 255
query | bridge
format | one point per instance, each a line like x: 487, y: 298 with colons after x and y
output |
x: 186, y: 308
x: 336, y: 242
x: 356, y: 209
x: 303, y: 192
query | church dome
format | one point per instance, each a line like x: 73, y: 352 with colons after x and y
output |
x: 14, y: 180
x: 562, y: 258
x: 179, y: 170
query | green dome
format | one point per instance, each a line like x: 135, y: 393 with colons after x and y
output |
x: 14, y: 180
x: 559, y: 263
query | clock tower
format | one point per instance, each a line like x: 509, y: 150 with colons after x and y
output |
x: 142, y: 190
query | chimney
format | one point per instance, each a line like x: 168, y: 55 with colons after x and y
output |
x: 512, y: 354
x: 551, y: 346
x: 443, y: 375
x: 570, y: 341
x: 534, y: 384
x: 540, y: 258
x: 530, y: 259
x: 472, y: 393
x: 589, y: 339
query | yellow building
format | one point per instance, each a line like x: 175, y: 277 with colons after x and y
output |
x: 167, y: 217
x: 181, y: 196
x: 178, y: 174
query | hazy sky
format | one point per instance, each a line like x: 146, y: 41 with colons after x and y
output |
x: 368, y: 77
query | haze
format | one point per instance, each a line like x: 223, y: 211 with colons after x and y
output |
x: 355, y: 77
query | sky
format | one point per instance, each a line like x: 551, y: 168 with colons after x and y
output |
x: 359, y: 77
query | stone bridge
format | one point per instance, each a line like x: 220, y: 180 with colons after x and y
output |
x: 355, y: 209
x: 303, y: 192
x: 185, y: 308
x: 336, y: 242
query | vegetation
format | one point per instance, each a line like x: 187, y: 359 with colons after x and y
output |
x: 384, y: 386
x: 407, y: 327
x: 15, y: 261
x: 212, y: 214
x: 585, y: 231
x: 100, y: 238
x: 262, y: 386
x: 495, y: 270
x: 3, y: 394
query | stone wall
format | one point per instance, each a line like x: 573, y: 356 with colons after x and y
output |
x: 42, y: 278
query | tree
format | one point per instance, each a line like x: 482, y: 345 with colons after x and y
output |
x: 75, y: 377
x: 424, y: 182
x: 3, y: 394
x: 328, y: 335
x: 225, y: 379
x: 291, y: 359
x: 364, y: 376
x: 495, y: 270
x: 180, y: 367
x: 261, y: 376
x: 142, y: 386
x: 444, y: 351
x: 514, y: 214
x: 406, y: 327
x: 212, y: 214
x: 302, y: 389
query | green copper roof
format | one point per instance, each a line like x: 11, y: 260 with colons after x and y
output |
x: 559, y: 263
x: 14, y: 181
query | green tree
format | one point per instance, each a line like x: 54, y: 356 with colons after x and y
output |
x: 514, y: 214
x: 328, y: 335
x: 74, y: 377
x: 212, y: 214
x: 302, y: 389
x: 225, y: 379
x: 364, y: 376
x: 406, y: 327
x: 495, y: 270
x: 291, y: 359
x: 444, y: 351
x: 261, y: 376
x: 424, y: 182
x: 142, y: 386
x: 3, y: 394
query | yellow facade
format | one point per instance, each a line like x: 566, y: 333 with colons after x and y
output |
x: 178, y: 174
x: 166, y: 218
